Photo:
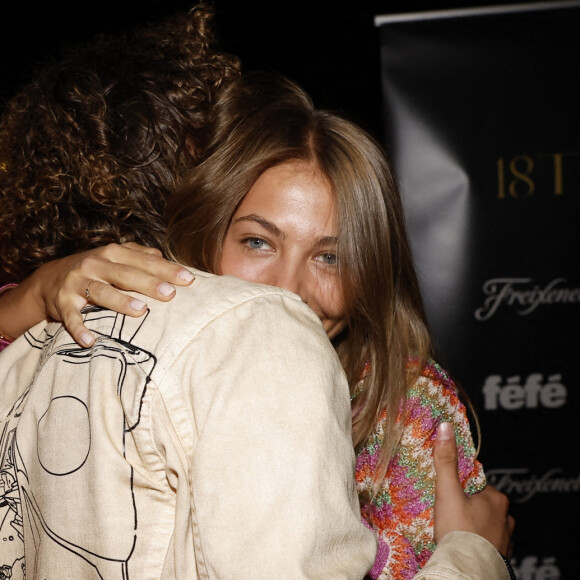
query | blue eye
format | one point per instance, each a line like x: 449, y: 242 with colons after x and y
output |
x: 328, y: 258
x: 255, y: 243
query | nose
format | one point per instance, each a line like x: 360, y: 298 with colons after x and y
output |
x: 292, y: 277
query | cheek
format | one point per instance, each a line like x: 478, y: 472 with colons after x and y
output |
x: 228, y: 261
x: 235, y: 263
x: 331, y: 300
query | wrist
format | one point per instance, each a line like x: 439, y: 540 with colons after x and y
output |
x: 20, y: 309
x: 5, y: 339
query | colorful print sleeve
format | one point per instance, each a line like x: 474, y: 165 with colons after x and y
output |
x: 401, y: 513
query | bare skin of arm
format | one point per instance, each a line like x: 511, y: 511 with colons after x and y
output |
x: 57, y: 290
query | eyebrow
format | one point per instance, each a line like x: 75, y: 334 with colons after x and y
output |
x: 276, y: 231
x: 327, y: 241
x: 266, y: 224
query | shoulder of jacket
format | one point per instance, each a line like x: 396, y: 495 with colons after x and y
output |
x: 210, y: 296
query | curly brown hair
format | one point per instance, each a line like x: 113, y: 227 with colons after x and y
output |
x: 91, y: 148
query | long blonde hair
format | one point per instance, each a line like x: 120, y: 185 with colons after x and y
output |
x: 264, y: 121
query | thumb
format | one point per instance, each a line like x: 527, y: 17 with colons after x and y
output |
x: 445, y: 459
x: 449, y: 496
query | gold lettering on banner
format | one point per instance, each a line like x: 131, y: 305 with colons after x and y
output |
x: 521, y: 175
x: 518, y: 177
x: 558, y: 170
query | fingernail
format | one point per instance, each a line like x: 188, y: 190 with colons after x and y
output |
x: 86, y: 339
x: 166, y: 289
x: 445, y: 431
x: 137, y: 304
x: 186, y: 275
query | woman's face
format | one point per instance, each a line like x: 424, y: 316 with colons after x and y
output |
x: 284, y: 234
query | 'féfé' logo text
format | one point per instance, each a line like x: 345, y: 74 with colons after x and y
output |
x: 530, y: 568
x: 516, y: 394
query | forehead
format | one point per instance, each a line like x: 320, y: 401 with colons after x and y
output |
x: 295, y: 197
x: 292, y: 181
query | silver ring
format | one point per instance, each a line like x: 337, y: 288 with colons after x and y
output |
x: 87, y: 290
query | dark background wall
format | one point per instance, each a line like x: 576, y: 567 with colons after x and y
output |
x: 330, y: 49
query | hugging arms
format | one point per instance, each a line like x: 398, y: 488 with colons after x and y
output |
x: 289, y: 196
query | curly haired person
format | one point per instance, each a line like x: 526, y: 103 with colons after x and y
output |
x: 92, y: 147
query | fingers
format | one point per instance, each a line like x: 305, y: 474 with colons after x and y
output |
x: 122, y: 276
x: 140, y: 248
x: 134, y: 267
x: 127, y: 267
x: 501, y: 532
x: 105, y: 295
x: 102, y: 294
x: 66, y: 285
x: 73, y: 321
x: 69, y: 306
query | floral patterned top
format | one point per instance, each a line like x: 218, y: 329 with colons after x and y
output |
x: 401, y: 513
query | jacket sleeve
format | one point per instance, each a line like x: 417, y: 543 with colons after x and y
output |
x: 273, y: 464
x: 464, y: 556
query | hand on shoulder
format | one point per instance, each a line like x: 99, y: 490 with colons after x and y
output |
x: 60, y: 289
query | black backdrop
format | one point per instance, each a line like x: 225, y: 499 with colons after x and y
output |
x: 332, y: 51
x: 335, y: 54
x: 485, y: 140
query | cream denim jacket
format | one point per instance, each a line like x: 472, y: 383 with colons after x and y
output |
x: 208, y: 439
